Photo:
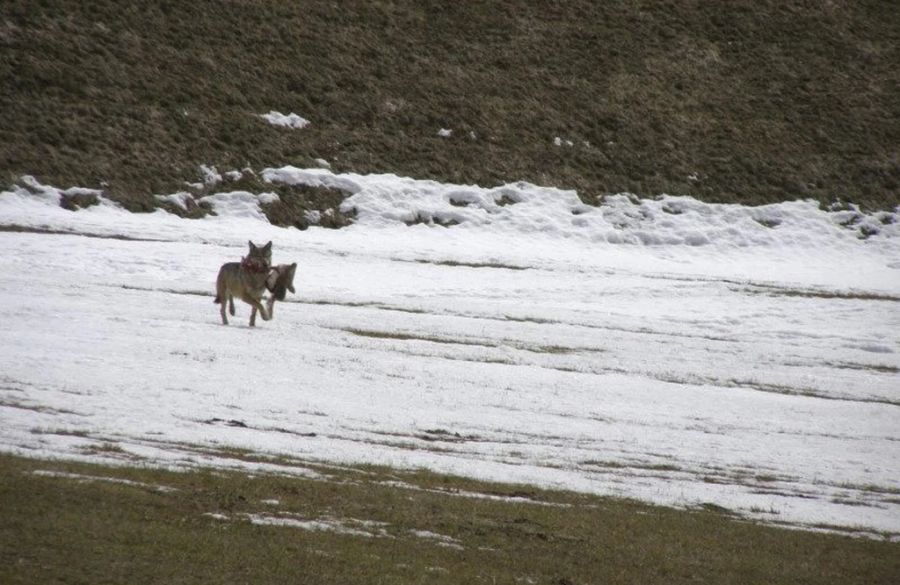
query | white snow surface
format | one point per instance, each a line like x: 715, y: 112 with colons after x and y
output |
x: 291, y: 120
x: 211, y: 175
x: 349, y: 526
x: 239, y: 204
x: 668, y: 350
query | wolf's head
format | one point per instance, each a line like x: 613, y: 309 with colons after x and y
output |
x: 284, y: 280
x: 260, y: 255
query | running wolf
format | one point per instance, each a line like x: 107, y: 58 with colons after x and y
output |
x: 280, y: 280
x: 246, y: 280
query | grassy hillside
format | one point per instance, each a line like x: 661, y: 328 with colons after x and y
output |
x: 750, y: 101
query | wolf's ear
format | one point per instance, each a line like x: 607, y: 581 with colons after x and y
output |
x: 252, y: 245
x: 267, y: 247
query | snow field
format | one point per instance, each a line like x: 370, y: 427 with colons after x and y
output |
x: 712, y: 361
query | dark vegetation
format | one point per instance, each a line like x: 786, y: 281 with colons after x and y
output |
x: 87, y: 529
x: 750, y: 101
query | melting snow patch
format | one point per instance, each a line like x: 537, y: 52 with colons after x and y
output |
x: 439, y: 539
x: 314, y: 216
x: 210, y: 175
x: 239, y: 204
x: 350, y: 527
x: 267, y: 198
x: 474, y: 495
x: 88, y: 478
x: 445, y: 133
x: 287, y: 121
x: 32, y: 188
x: 182, y: 200
x: 314, y: 178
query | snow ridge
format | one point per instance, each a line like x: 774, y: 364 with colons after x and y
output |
x: 522, y: 208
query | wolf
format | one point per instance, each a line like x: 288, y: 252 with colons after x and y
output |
x: 280, y: 280
x: 246, y: 280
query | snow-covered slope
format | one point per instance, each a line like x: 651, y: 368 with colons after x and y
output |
x: 673, y: 351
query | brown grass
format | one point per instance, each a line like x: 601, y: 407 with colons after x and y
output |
x: 89, y: 526
x: 749, y: 101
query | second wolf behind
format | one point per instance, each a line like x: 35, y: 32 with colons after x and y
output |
x: 245, y: 280
x: 281, y: 280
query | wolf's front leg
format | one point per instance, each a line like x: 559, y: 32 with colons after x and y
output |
x: 257, y: 306
x: 270, y: 305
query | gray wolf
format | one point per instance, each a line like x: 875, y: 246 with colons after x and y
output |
x: 246, y: 280
x: 280, y: 280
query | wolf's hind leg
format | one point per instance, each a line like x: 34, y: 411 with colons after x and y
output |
x: 270, y: 305
x: 222, y: 312
x: 231, y: 306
